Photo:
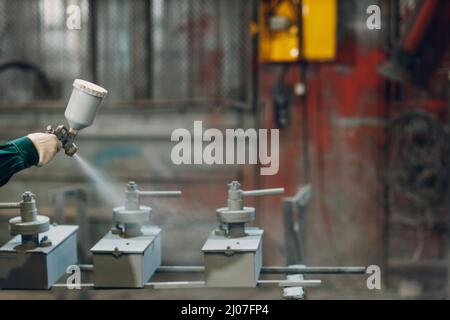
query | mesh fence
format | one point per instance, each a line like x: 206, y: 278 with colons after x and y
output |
x: 139, y: 50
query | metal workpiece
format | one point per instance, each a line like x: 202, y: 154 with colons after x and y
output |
x: 131, y: 252
x: 39, y: 267
x: 29, y: 224
x: 126, y: 263
x: 80, y: 113
x: 233, y: 252
x: 132, y: 215
x: 233, y: 262
x: 39, y: 253
x: 232, y: 219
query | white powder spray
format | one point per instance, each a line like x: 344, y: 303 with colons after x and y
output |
x: 109, y: 193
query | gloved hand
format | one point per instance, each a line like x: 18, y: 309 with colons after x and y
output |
x: 47, y: 145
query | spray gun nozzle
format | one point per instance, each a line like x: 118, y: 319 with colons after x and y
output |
x: 66, y: 136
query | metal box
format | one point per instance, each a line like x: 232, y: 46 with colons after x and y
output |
x: 127, y: 262
x: 41, y: 267
x: 233, y: 262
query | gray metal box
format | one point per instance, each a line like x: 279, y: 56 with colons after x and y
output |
x: 233, y: 262
x: 127, y: 262
x: 41, y: 267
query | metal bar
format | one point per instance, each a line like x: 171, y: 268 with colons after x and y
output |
x: 181, y: 269
x: 9, y: 205
x: 201, y: 284
x: 262, y: 192
x: 290, y: 283
x: 176, y: 284
x: 265, y: 270
x: 86, y: 267
x: 314, y: 270
x: 160, y: 193
x: 82, y: 285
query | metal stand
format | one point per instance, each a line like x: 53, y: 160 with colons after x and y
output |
x: 39, y: 254
x: 233, y: 253
x: 130, y: 253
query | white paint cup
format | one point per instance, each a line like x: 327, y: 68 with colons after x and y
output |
x: 83, y: 104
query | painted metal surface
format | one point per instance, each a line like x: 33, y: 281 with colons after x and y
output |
x: 233, y: 262
x: 127, y: 262
x: 250, y: 242
x: 41, y: 267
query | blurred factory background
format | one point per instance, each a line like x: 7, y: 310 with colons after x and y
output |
x: 363, y: 116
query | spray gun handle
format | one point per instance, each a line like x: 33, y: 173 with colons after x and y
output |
x: 262, y: 192
x: 66, y: 136
x: 159, y: 193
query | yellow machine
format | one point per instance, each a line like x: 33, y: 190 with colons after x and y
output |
x: 278, y: 27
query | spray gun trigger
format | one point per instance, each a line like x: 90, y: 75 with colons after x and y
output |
x: 66, y: 137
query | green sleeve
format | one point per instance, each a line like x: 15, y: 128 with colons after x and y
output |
x: 16, y: 155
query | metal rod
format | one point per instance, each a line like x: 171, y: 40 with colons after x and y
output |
x: 262, y: 192
x: 290, y: 283
x: 9, y: 205
x: 180, y: 269
x: 314, y: 270
x: 160, y: 193
x: 201, y: 284
x: 266, y: 270
x: 176, y: 284
x: 86, y: 267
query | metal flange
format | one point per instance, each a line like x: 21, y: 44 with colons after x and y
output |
x: 29, y: 224
x: 123, y: 215
x: 19, y: 227
x: 246, y: 214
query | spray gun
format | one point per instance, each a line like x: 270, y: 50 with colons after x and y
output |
x: 80, y: 113
x: 29, y: 224
x: 233, y: 218
x: 130, y: 217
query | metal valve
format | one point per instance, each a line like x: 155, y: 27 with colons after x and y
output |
x: 66, y: 136
x: 233, y: 218
x: 130, y: 217
x: 29, y: 224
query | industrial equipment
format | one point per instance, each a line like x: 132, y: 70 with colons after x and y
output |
x: 128, y: 255
x: 233, y: 252
x: 39, y: 253
x: 400, y: 66
x: 80, y: 113
x: 279, y: 30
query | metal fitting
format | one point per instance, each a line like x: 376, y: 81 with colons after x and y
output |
x: 232, y: 219
x: 29, y: 224
x: 130, y: 217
